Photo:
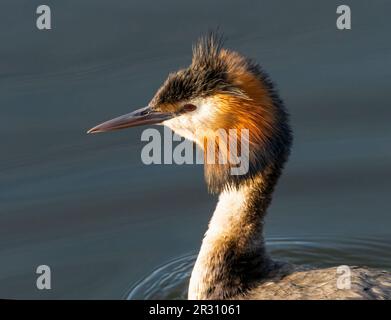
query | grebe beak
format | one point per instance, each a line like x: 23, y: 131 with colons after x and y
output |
x: 138, y: 117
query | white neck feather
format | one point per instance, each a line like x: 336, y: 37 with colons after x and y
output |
x: 228, y: 232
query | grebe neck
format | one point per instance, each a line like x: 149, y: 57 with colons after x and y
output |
x: 232, y: 256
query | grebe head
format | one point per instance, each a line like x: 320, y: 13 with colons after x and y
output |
x: 220, y: 90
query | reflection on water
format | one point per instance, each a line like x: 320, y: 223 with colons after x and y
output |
x: 170, y: 281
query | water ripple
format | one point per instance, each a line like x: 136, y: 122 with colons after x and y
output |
x: 170, y: 281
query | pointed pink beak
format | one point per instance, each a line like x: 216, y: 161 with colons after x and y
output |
x: 138, y: 117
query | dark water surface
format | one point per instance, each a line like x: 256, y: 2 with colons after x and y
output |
x: 102, y: 220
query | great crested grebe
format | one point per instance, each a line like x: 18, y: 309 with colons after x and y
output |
x: 222, y: 89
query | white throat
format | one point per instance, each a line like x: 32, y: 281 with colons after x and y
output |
x: 228, y: 230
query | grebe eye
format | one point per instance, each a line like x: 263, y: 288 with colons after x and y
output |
x: 188, y: 107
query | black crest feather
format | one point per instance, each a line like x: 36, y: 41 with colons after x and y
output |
x: 206, y: 74
x: 206, y: 51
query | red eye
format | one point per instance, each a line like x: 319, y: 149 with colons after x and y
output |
x: 188, y: 107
